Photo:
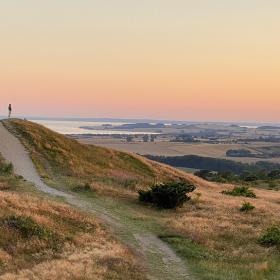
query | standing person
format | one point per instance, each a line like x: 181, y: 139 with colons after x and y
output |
x: 10, y: 110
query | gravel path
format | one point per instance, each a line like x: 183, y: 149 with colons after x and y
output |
x: 168, y: 264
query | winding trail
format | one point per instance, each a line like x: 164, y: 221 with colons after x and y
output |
x: 146, y: 244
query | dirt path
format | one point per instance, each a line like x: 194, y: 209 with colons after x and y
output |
x: 162, y: 262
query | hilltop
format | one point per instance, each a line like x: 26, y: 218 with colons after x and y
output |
x: 102, y: 169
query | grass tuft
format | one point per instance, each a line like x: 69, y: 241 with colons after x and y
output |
x: 246, y: 207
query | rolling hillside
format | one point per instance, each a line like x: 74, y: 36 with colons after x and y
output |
x: 103, y: 169
x: 43, y: 239
x: 215, y: 240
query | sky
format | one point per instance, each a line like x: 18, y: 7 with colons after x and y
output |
x: 208, y: 60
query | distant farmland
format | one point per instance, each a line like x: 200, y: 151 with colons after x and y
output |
x: 167, y: 148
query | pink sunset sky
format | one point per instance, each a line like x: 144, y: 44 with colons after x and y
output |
x: 187, y: 60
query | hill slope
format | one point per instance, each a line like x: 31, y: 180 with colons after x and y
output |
x: 210, y: 233
x: 58, y: 156
x: 44, y: 239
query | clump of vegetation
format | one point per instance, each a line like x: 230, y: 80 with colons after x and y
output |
x: 167, y: 196
x: 213, y: 176
x: 274, y: 174
x: 6, y: 169
x: 240, y: 191
x: 247, y: 206
x: 271, y: 237
x: 85, y: 188
x: 26, y: 227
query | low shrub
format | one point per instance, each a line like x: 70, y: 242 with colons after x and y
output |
x: 6, y: 169
x: 167, y: 196
x: 240, y: 191
x: 247, y: 206
x: 26, y: 227
x: 146, y: 196
x: 84, y: 188
x: 271, y: 237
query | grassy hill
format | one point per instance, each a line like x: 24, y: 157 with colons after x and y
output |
x: 68, y: 161
x: 44, y: 239
x: 215, y: 239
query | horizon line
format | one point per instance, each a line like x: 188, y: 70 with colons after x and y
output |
x: 115, y: 119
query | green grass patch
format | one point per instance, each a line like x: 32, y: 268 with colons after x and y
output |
x: 240, y: 191
x: 6, y: 169
x: 27, y: 228
x: 207, y: 265
x: 271, y: 236
x: 246, y: 207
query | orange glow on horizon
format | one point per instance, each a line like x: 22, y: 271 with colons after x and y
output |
x: 188, y: 60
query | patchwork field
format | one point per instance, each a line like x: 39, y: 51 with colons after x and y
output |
x: 166, y: 148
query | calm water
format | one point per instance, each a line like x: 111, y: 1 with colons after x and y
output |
x: 74, y: 127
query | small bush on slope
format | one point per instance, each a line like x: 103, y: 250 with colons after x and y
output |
x: 27, y: 228
x: 271, y: 237
x: 240, y: 191
x: 247, y: 206
x: 6, y: 169
x: 167, y: 196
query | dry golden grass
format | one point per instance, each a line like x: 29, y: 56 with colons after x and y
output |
x: 215, y: 221
x: 212, y: 220
x: 97, y: 259
x: 85, y: 251
x: 57, y: 156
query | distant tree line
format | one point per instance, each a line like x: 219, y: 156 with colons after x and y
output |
x: 240, y: 153
x: 215, y: 164
x: 266, y: 153
x: 246, y: 176
x: 185, y: 138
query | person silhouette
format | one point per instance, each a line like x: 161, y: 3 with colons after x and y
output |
x: 10, y: 110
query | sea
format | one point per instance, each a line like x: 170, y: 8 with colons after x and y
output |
x: 75, y: 127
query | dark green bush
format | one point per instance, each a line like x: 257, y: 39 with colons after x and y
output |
x: 6, y: 169
x: 274, y: 174
x: 247, y: 206
x: 204, y: 174
x: 145, y: 196
x: 214, y: 176
x: 167, y: 196
x: 250, y: 178
x: 240, y: 191
x: 271, y: 237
